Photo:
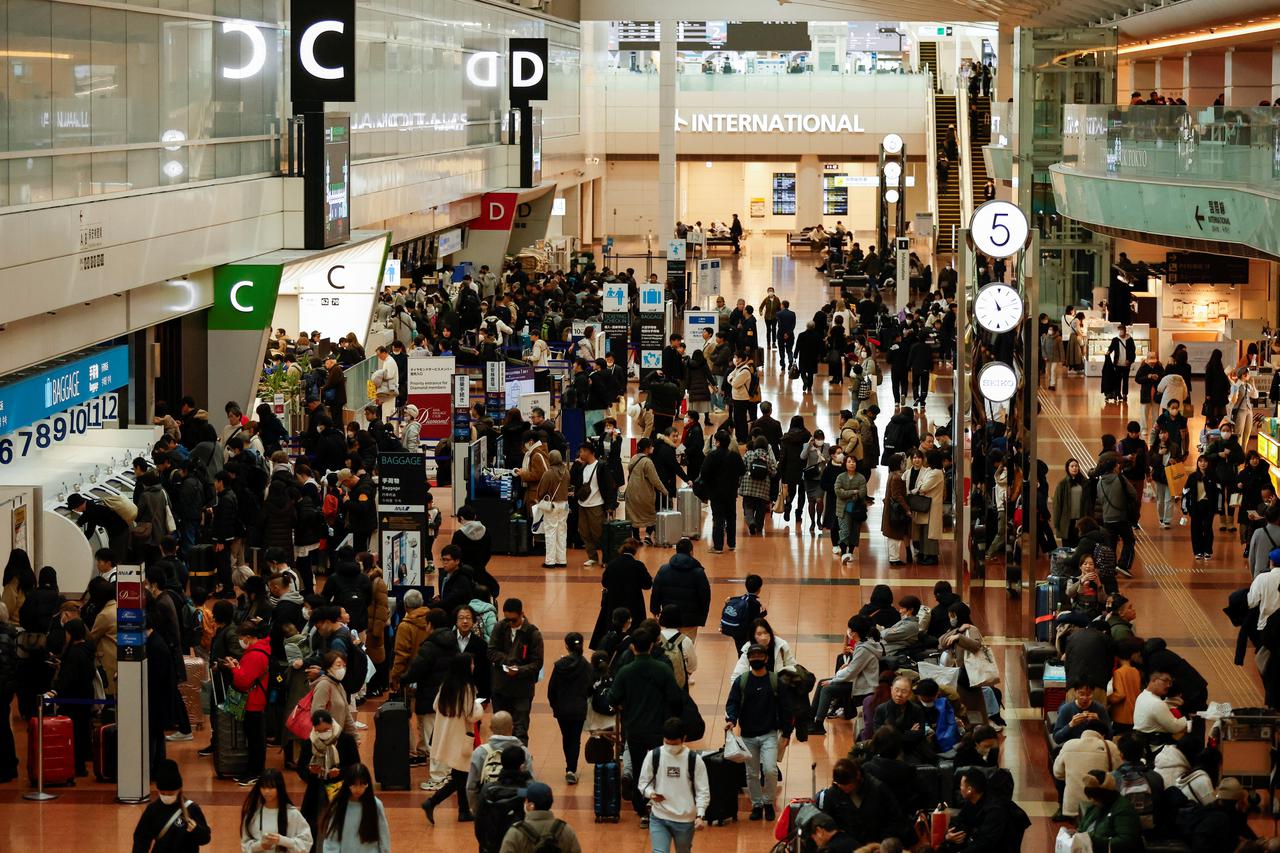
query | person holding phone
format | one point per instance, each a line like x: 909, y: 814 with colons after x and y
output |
x: 269, y: 821
x: 171, y: 823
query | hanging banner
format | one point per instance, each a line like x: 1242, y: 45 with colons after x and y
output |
x: 429, y: 387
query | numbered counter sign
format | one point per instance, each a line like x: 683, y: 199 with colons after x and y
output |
x: 999, y: 229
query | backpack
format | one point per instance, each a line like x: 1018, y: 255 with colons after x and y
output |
x: 864, y: 389
x: 733, y: 618
x: 1137, y: 790
x: 503, y: 809
x: 1196, y: 786
x: 675, y: 654
x: 357, y: 667
x: 315, y: 382
x: 600, y: 701
x: 655, y: 756
x: 1105, y: 558
x: 491, y: 768
x: 742, y: 683
x: 548, y: 842
x: 759, y: 468
x: 191, y: 623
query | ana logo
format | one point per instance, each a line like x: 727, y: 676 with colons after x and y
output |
x: 59, y: 389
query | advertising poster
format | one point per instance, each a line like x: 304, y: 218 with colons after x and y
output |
x: 519, y: 384
x: 430, y: 385
x: 402, y: 557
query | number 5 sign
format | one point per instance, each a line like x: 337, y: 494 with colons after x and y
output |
x: 999, y: 229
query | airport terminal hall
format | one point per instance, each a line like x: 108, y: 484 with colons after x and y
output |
x: 548, y: 426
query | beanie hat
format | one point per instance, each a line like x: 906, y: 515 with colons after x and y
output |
x: 167, y: 776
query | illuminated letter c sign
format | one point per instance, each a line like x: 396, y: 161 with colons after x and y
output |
x: 257, y: 50
x: 235, y: 297
x: 329, y: 276
x: 307, y: 50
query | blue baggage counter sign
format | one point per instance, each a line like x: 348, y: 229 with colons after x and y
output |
x: 40, y: 395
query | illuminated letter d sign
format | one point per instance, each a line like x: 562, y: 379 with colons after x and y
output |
x: 322, y: 50
x: 527, y: 71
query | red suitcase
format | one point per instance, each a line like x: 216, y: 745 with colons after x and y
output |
x: 106, y: 740
x: 59, y: 751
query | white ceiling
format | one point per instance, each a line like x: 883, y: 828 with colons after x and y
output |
x: 1136, y: 18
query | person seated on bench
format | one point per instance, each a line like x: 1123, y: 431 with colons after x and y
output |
x: 979, y: 748
x: 1152, y: 713
x: 905, y: 633
x: 908, y: 719
x: 1220, y: 825
x: 1075, y: 716
x: 855, y: 679
x: 894, y: 769
x: 941, y: 718
x: 861, y: 805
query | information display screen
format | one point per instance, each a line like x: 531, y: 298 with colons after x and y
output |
x: 835, y: 195
x: 337, y: 174
x: 768, y: 35
x: 784, y: 193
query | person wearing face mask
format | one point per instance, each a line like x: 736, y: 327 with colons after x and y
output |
x: 269, y: 821
x: 755, y: 708
x: 249, y: 676
x: 171, y: 823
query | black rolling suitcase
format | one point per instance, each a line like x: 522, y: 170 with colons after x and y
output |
x: 616, y: 532
x: 201, y: 569
x: 521, y: 539
x: 725, y: 779
x: 607, y: 798
x: 231, y: 743
x: 1050, y: 594
x: 391, y: 745
x: 106, y: 744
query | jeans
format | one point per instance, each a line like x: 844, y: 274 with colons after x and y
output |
x: 1164, y: 503
x: 1124, y: 532
x: 828, y: 694
x: 724, y: 525
x: 571, y: 742
x: 255, y: 732
x: 754, y: 510
x: 762, y: 758
x: 663, y: 832
x: 1202, y: 528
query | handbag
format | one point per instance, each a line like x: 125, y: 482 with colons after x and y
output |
x: 920, y: 503
x: 946, y: 676
x: 583, y: 491
x: 781, y: 503
x: 1071, y: 841
x: 735, y: 748
x: 694, y: 726
x: 299, y: 720
x: 981, y: 667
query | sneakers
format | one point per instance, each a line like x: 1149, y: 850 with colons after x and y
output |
x: 1126, y: 572
x: 429, y: 785
x: 360, y: 726
x: 644, y: 821
x: 846, y: 558
x: 206, y: 752
x: 835, y: 550
x: 715, y: 551
x: 247, y: 781
x: 571, y: 778
x: 589, y: 563
x: 179, y: 737
x: 757, y: 812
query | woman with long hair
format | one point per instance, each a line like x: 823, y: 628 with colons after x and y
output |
x: 1217, y: 388
x: 19, y: 582
x: 568, y: 692
x: 895, y: 519
x: 779, y: 650
x: 356, y: 821
x: 623, y: 583
x: 457, y: 709
x: 1200, y: 498
x: 268, y: 819
x: 1068, y: 503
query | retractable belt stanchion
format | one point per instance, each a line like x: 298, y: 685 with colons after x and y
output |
x: 39, y: 794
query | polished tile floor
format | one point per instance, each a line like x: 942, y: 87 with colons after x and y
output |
x: 809, y: 594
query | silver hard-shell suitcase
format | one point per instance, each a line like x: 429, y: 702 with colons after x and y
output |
x: 690, y: 512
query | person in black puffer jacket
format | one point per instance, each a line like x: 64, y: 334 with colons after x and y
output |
x: 568, y: 692
x: 280, y: 511
x: 431, y: 663
x: 350, y: 589
x: 683, y: 582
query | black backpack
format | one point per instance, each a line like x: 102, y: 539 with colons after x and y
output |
x: 503, y: 808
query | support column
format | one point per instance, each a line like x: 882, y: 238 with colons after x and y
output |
x: 1144, y: 77
x: 1169, y: 79
x: 1004, y: 62
x: 1206, y: 73
x: 1247, y: 77
x: 808, y: 191
x: 666, y: 131
x: 1275, y: 71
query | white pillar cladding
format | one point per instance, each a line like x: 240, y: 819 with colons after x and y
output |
x: 666, y: 131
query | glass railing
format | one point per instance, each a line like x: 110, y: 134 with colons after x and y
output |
x: 1219, y: 144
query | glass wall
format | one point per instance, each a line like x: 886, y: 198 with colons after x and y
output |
x: 99, y: 100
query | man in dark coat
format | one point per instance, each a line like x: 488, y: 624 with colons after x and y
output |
x: 457, y: 581
x: 809, y: 348
x: 516, y: 654
x: 786, y: 334
x: 683, y: 582
x: 860, y: 805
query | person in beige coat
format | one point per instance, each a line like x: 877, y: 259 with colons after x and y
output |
x: 103, y: 637
x: 927, y: 526
x: 536, y: 463
x: 458, y: 709
x: 328, y: 694
x: 375, y: 637
x: 1090, y: 751
x: 643, y: 488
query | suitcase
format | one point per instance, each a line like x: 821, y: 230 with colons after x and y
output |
x: 1050, y: 594
x: 231, y: 747
x: 391, y: 745
x: 616, y: 532
x: 201, y: 568
x: 690, y: 513
x: 106, y: 748
x: 607, y: 797
x: 668, y: 529
x: 197, y: 675
x: 521, y: 539
x: 725, y: 779
x: 58, y: 751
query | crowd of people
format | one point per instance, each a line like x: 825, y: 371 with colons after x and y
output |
x: 260, y: 570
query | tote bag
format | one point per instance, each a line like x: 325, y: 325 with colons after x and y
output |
x: 981, y: 667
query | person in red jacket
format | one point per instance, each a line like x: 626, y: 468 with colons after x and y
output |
x: 249, y: 676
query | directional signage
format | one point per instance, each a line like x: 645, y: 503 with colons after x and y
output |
x: 615, y: 297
